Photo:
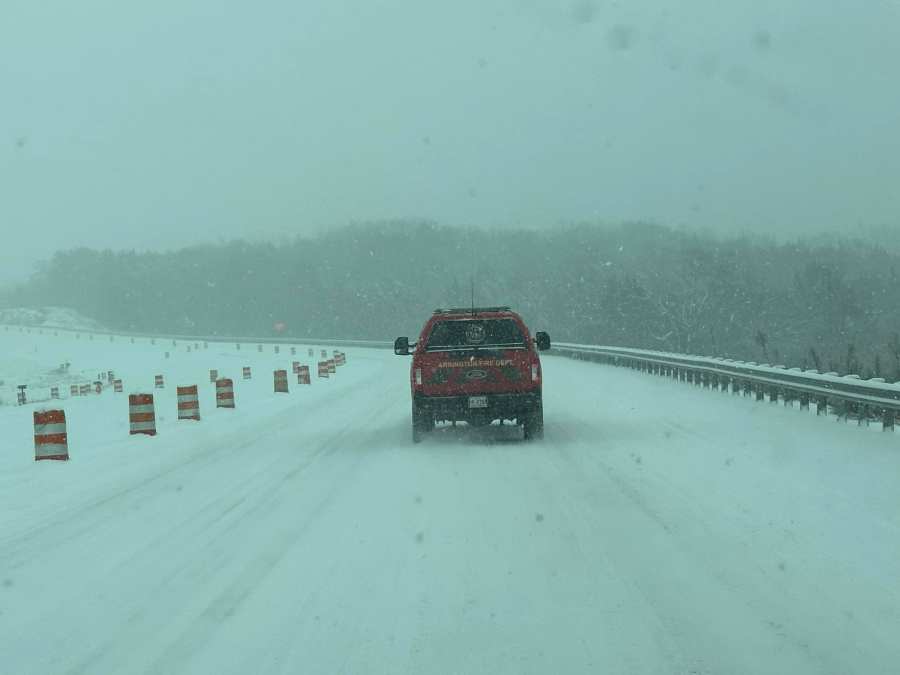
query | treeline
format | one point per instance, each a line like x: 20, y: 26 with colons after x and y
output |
x: 827, y: 304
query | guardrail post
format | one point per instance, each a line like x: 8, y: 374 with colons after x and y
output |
x: 773, y: 394
x: 887, y: 419
x: 848, y: 409
x: 804, y: 401
x: 821, y: 406
x: 863, y: 418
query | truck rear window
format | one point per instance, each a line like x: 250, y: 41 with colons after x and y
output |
x: 475, y: 333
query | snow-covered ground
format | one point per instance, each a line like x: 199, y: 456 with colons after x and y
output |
x: 657, y: 529
x: 61, y: 317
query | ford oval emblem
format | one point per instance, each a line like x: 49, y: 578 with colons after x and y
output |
x: 476, y: 374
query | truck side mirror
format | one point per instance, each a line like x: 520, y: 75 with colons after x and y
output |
x: 542, y: 340
x: 401, y: 346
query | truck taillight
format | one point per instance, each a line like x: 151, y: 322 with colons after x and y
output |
x: 535, y: 372
x: 419, y: 376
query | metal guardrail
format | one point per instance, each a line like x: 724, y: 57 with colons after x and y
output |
x: 43, y: 328
x: 851, y: 396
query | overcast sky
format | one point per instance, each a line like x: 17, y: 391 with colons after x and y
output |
x: 164, y: 123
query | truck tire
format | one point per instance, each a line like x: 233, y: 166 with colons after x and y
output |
x: 422, y: 423
x: 533, y: 424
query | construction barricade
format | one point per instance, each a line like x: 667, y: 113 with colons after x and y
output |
x: 323, y: 369
x: 50, y: 438
x: 224, y: 393
x: 141, y: 414
x: 21, y: 397
x: 281, y: 382
x: 247, y: 373
x: 303, y: 375
x: 188, y: 403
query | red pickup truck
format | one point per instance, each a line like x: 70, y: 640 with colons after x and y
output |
x: 476, y: 366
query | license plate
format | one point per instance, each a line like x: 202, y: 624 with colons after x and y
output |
x: 478, y: 401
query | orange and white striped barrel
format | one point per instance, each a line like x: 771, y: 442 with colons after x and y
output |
x: 293, y: 351
x: 224, y: 393
x: 168, y: 355
x: 323, y: 369
x: 247, y: 373
x: 259, y: 348
x: 340, y: 359
x: 73, y: 390
x: 296, y: 367
x: 311, y: 352
x: 160, y: 383
x: 54, y: 392
x: 281, y: 382
x: 277, y: 349
x: 323, y: 354
x: 98, y: 387
x: 85, y: 390
x: 50, y: 438
x: 213, y: 375
x: 141, y: 414
x: 188, y: 403
x: 303, y: 375
x: 331, y: 367
x: 117, y: 386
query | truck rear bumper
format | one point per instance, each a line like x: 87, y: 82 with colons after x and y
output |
x: 499, y: 406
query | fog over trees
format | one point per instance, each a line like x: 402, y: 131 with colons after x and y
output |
x: 821, y: 303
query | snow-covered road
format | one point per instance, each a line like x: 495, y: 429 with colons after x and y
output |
x: 657, y: 529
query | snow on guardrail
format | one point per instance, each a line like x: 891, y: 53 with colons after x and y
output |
x: 853, y: 396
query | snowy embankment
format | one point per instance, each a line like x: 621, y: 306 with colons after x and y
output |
x: 657, y: 529
x: 23, y: 363
x: 59, y: 317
